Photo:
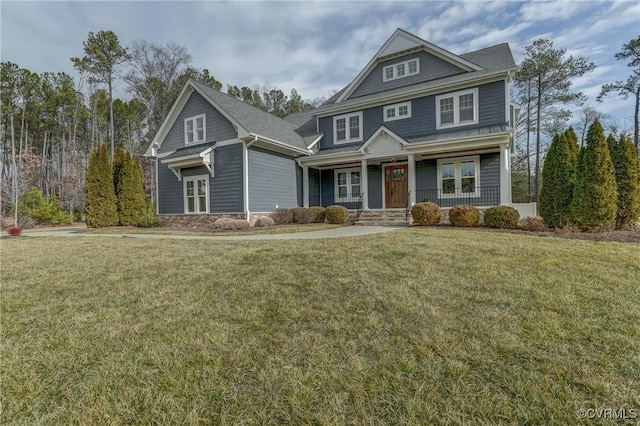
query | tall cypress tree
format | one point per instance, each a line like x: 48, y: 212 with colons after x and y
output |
x: 131, y: 199
x: 627, y: 169
x: 140, y: 194
x: 557, y: 179
x: 594, y: 203
x: 119, y: 161
x: 101, y: 200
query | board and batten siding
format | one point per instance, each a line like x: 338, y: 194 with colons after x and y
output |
x: 225, y: 188
x: 274, y: 181
x: 491, y: 111
x: 218, y: 128
x: 431, y: 68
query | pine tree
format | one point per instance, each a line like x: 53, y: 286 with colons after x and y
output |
x: 557, y: 180
x: 101, y: 200
x: 627, y: 169
x: 595, y: 196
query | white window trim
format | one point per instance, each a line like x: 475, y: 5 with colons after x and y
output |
x: 458, y: 177
x: 456, y: 109
x: 347, y: 129
x: 204, y: 129
x: 394, y: 67
x: 349, y: 185
x: 186, y: 179
x: 396, y: 107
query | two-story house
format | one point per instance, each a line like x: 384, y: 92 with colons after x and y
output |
x: 417, y: 123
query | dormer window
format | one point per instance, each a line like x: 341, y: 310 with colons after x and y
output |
x: 194, y: 129
x: 401, y: 70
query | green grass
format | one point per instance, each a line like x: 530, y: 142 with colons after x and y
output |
x: 417, y: 326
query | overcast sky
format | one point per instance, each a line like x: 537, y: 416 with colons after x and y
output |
x: 319, y: 46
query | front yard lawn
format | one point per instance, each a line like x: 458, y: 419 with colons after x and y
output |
x: 416, y: 326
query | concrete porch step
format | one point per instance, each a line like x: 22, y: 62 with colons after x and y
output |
x: 383, y: 218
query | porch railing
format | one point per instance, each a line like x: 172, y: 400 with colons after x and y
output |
x: 478, y: 196
x: 351, y: 201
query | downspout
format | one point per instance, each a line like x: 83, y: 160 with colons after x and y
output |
x: 245, y: 154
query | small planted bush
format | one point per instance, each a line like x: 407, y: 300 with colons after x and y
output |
x: 533, y: 224
x: 336, y: 215
x: 302, y: 215
x: 464, y: 216
x: 263, y: 222
x: 14, y: 230
x: 229, y: 224
x: 503, y: 217
x: 318, y: 214
x: 282, y: 216
x: 150, y: 221
x: 425, y: 213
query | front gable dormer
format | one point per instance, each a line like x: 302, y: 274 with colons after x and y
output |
x: 402, y: 61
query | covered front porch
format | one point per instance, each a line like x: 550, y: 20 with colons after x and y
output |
x: 387, y: 172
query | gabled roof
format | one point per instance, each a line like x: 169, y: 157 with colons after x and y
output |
x: 248, y: 120
x: 492, y: 61
x: 401, y: 41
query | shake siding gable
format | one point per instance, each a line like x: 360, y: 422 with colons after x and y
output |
x: 218, y: 128
x: 431, y: 68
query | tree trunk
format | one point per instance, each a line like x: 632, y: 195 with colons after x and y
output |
x: 15, y: 173
x: 537, y: 171
x: 111, y: 135
x: 635, y: 122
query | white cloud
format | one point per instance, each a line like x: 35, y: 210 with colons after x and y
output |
x: 549, y: 10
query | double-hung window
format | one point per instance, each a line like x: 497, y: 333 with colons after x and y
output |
x: 196, y: 194
x: 457, y: 109
x: 194, y: 129
x: 401, y: 69
x: 347, y: 184
x: 397, y: 111
x: 347, y: 128
x: 459, y: 177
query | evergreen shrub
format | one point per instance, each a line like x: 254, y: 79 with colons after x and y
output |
x: 229, y: 224
x: 503, y: 217
x: 282, y: 216
x: 302, y: 215
x: 150, y: 221
x: 336, y: 215
x: 318, y: 214
x: 464, y: 216
x: 426, y: 213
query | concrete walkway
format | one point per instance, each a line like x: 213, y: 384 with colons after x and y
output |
x: 347, y: 231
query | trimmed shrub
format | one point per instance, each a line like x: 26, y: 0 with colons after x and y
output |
x: 282, y: 216
x: 625, y: 161
x: 502, y: 217
x: 263, y: 222
x: 150, y: 221
x: 229, y: 224
x: 336, y: 215
x: 533, y: 224
x: 14, y: 230
x: 595, y: 195
x: 318, y: 214
x: 426, y: 213
x: 464, y: 216
x: 302, y: 215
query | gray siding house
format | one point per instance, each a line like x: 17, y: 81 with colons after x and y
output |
x: 417, y: 123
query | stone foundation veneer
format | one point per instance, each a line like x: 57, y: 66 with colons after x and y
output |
x: 196, y: 220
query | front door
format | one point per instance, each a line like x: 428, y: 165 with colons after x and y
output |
x: 396, y: 186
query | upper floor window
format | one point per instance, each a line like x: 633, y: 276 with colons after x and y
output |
x: 457, y: 109
x: 194, y: 129
x: 397, y: 111
x: 401, y: 69
x: 347, y: 128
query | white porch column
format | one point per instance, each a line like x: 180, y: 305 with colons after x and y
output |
x: 505, y: 175
x: 364, y: 185
x: 305, y: 186
x: 412, y: 178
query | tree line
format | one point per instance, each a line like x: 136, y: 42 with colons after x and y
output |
x: 50, y: 122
